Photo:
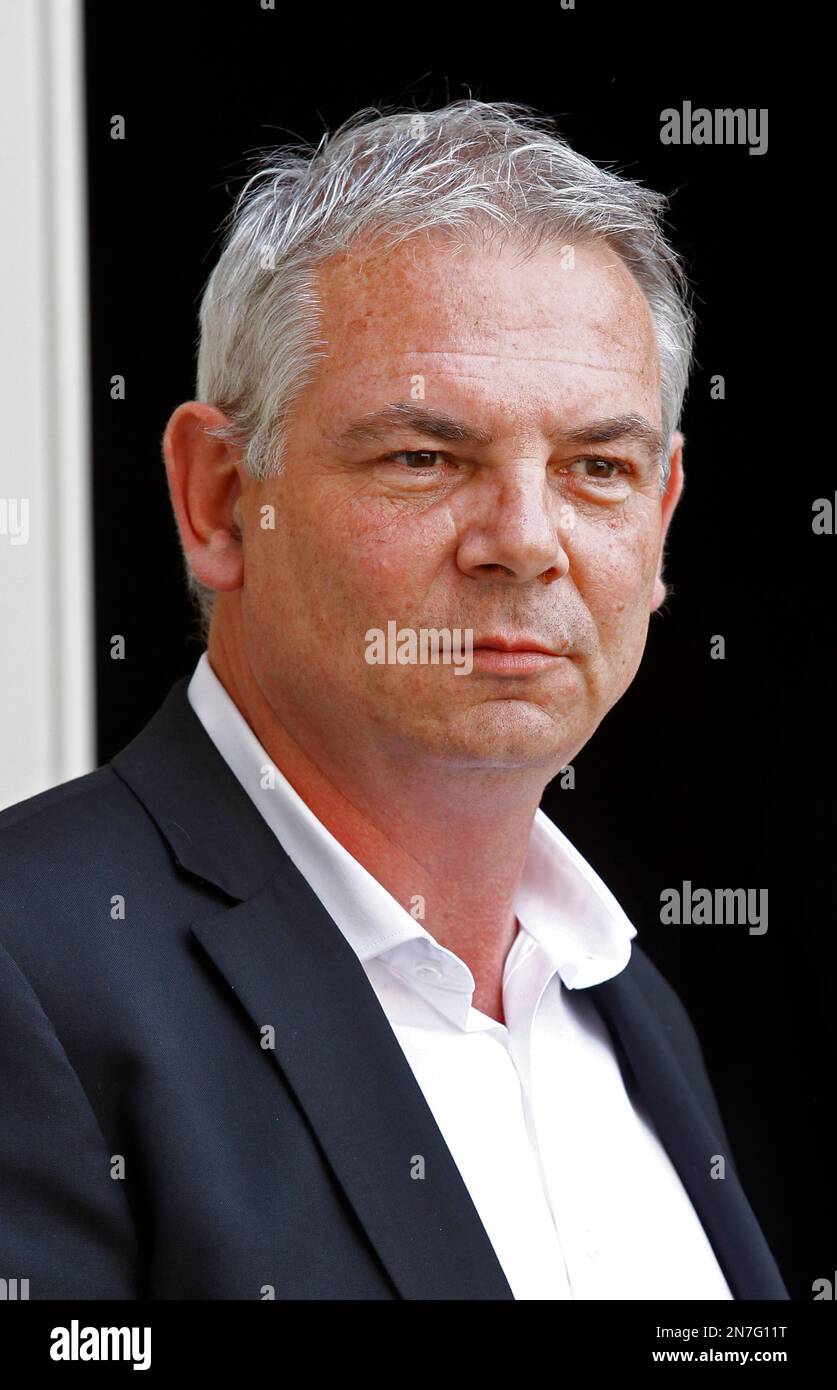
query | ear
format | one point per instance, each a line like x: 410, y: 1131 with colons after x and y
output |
x: 668, y: 503
x: 204, y: 486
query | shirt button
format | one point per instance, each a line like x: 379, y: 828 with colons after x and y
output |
x: 427, y: 971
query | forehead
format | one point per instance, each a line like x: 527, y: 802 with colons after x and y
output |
x: 487, y: 321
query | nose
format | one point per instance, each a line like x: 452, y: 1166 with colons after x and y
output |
x: 512, y: 531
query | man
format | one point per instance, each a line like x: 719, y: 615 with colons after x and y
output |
x: 303, y: 997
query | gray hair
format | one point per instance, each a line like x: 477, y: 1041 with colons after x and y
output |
x: 384, y: 177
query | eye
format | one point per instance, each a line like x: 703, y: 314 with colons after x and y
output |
x: 604, y: 470
x: 425, y: 458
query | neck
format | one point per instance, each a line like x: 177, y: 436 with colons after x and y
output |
x: 449, y: 845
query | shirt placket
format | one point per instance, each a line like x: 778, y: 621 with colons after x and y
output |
x: 530, y: 972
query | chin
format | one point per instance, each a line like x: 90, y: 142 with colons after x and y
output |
x: 507, y: 733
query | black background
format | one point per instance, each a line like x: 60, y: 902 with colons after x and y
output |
x: 718, y: 772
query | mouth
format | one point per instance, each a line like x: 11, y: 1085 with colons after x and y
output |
x: 516, y: 656
x: 517, y: 644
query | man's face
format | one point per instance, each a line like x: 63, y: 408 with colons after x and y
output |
x: 521, y: 532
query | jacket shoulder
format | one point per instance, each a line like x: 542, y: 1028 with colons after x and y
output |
x: 65, y: 819
x: 65, y: 852
x: 51, y: 798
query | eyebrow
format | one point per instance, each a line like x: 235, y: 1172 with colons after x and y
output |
x: 378, y: 424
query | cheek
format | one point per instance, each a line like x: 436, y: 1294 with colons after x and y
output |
x: 614, y: 572
x: 388, y: 558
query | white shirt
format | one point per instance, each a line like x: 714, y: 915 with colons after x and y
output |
x: 571, y: 1182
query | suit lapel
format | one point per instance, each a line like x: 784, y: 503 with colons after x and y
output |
x: 688, y: 1137
x: 290, y: 968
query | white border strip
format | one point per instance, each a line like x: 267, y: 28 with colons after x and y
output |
x: 75, y: 718
x: 47, y: 692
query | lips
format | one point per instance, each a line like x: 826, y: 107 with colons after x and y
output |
x: 516, y: 644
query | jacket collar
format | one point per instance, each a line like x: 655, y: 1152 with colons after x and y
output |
x: 212, y: 827
x: 290, y: 966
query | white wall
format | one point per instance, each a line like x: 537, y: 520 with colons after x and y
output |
x: 46, y: 615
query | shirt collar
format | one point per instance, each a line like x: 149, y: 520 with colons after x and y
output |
x: 560, y: 901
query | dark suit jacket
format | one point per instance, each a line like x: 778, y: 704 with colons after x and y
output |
x: 152, y: 1147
